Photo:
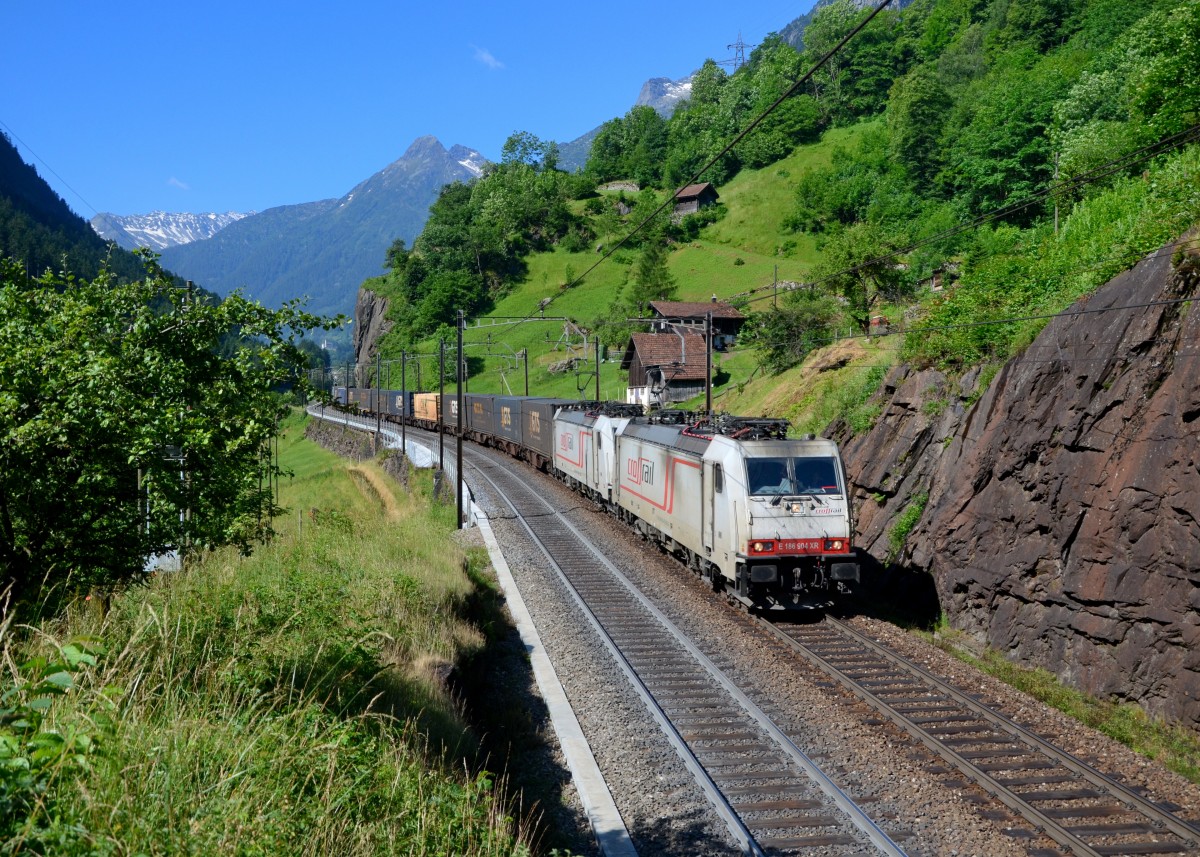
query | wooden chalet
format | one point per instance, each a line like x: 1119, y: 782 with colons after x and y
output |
x: 694, y: 197
x: 690, y: 316
x: 665, y: 367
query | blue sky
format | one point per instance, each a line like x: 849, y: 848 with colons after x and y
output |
x: 130, y: 107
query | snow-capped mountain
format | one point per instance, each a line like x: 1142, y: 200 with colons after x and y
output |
x: 663, y: 94
x: 469, y: 159
x: 159, y: 230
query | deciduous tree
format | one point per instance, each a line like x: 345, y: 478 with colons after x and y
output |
x: 134, y: 419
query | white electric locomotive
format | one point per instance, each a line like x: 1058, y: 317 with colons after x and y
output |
x: 765, y: 517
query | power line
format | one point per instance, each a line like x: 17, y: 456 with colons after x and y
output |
x: 1132, y: 255
x: 929, y: 329
x: 13, y: 134
x: 1122, y: 162
x: 1189, y: 242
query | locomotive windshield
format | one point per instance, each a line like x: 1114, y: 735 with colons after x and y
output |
x: 791, y: 476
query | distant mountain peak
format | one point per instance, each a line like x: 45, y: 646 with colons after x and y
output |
x: 325, y: 250
x: 159, y: 230
x: 663, y: 94
x: 422, y: 146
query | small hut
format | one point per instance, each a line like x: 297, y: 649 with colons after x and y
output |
x: 694, y: 197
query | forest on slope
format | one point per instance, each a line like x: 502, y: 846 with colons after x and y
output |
x: 40, y: 231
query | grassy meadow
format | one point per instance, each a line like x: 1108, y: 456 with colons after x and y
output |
x: 290, y: 702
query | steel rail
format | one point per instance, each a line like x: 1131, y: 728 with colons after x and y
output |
x: 1013, y: 800
x: 733, y: 822
x: 1176, y: 825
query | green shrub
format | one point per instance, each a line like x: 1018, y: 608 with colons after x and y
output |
x: 292, y: 702
x: 904, y: 524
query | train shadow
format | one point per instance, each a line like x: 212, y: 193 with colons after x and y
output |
x: 680, y: 836
x: 499, y: 698
x: 890, y: 592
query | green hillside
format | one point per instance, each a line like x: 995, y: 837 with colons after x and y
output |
x: 1013, y: 153
x: 741, y: 252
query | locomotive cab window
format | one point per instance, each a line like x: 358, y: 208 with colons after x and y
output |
x: 718, y: 479
x: 815, y: 476
x: 768, y: 476
x: 792, y: 476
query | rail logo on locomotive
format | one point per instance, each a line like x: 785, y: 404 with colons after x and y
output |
x: 566, y: 442
x: 640, y: 471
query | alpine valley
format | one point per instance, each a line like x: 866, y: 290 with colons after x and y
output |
x: 323, y: 251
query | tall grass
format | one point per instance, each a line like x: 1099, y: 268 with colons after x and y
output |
x: 289, y: 702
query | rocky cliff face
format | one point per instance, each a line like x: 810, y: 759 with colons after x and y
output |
x: 1062, y: 522
x: 370, y: 323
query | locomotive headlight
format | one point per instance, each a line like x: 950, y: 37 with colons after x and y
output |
x: 835, y: 545
x: 762, y: 547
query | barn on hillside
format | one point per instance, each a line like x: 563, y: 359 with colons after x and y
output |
x: 694, y: 197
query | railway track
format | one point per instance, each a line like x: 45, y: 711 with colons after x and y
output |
x: 771, y: 796
x: 1086, y: 812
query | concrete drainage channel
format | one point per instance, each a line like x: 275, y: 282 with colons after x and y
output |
x: 607, y: 826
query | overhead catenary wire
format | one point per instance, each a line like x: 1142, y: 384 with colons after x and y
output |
x: 924, y: 329
x: 1096, y: 174
x: 1102, y: 171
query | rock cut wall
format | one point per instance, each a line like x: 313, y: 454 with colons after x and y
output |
x: 1062, y: 525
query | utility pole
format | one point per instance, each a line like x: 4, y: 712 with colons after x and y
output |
x: 441, y: 404
x: 596, y: 339
x: 1056, y: 195
x: 458, y: 439
x: 708, y: 363
x: 525, y: 354
x: 404, y: 403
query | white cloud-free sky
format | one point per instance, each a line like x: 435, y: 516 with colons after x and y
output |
x: 129, y: 107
